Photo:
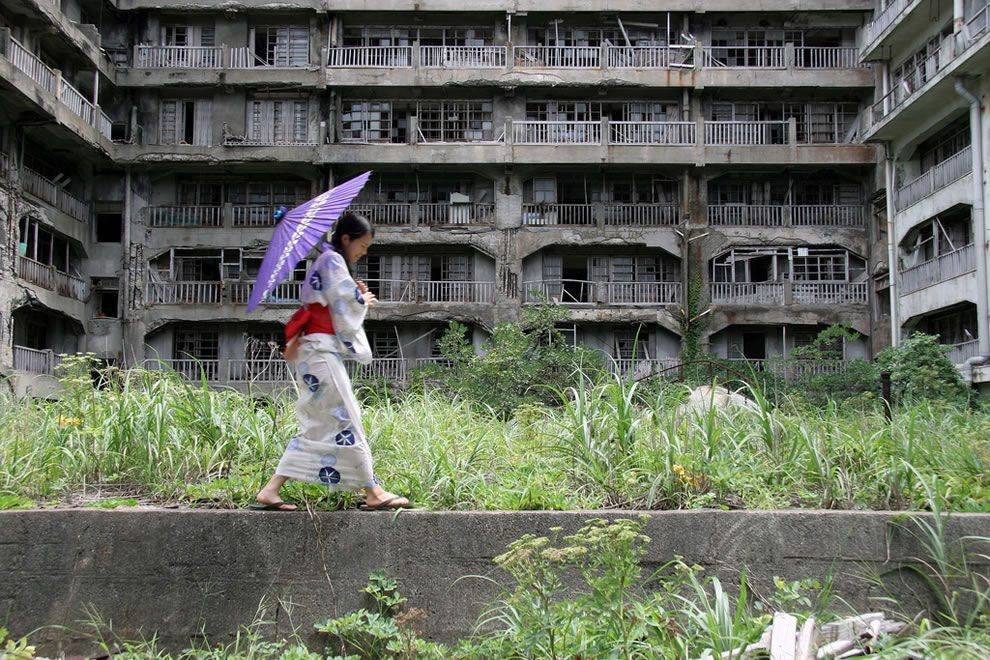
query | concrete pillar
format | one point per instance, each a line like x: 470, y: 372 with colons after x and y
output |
x: 895, y: 323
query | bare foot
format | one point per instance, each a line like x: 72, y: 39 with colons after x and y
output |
x: 273, y: 500
x: 380, y: 498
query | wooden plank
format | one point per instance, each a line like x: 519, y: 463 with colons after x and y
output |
x: 782, y: 636
x: 850, y: 627
x: 806, y: 640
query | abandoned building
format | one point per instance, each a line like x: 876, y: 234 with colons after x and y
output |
x: 799, y: 168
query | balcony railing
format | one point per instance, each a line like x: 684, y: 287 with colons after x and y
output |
x: 885, y: 18
x: 748, y: 293
x: 941, y: 58
x: 611, y: 214
x: 184, y: 216
x: 255, y: 215
x: 962, y: 351
x: 674, y: 133
x: 245, y: 57
x: 557, y: 132
x: 372, y: 57
x: 258, y: 370
x: 789, y: 369
x: 827, y: 57
x: 47, y: 277
x: 463, y: 57
x: 54, y: 194
x: 782, y: 215
x: 941, y: 268
x: 178, y: 57
x: 649, y: 57
x: 829, y: 293
x: 184, y: 293
x: 750, y: 57
x: 557, y: 57
x: 34, y: 361
x: 949, y: 170
x: 782, y: 293
x: 746, y: 133
x: 584, y: 292
x: 391, y: 369
x: 32, y: 66
x: 434, y: 214
x: 411, y: 291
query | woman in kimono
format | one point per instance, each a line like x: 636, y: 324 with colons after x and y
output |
x: 331, y: 447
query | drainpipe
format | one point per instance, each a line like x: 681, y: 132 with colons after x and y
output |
x: 125, y: 280
x: 981, y: 232
x: 895, y: 324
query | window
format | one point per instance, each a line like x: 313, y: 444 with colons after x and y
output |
x: 106, y: 294
x: 821, y: 267
x: 281, y: 46
x: 456, y: 121
x: 263, y: 345
x: 955, y: 327
x: 632, y: 343
x: 189, y: 35
x: 455, y: 268
x: 186, y: 122
x: 109, y: 227
x: 278, y: 121
x: 945, y: 145
x: 384, y: 343
x: 196, y: 345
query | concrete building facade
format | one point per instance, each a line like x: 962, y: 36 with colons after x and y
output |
x: 604, y: 156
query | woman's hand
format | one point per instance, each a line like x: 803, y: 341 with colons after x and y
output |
x: 370, y: 299
x: 291, y: 350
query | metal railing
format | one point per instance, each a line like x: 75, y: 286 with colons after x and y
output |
x: 178, y: 57
x: 31, y: 65
x: 828, y: 293
x: 259, y: 370
x: 35, y: 361
x: 941, y: 268
x: 783, y: 215
x: 427, y: 213
x: 748, y: 293
x: 962, y: 351
x: 184, y: 216
x: 550, y: 214
x: 184, y: 293
x: 611, y: 214
x: 48, y: 277
x: 49, y: 191
x: 254, y: 215
x: 557, y: 57
x: 412, y: 291
x: 671, y: 133
x: 463, y: 57
x: 585, y: 292
x: 392, y: 369
x: 746, y: 133
x: 557, y: 132
x: 949, y: 170
x: 372, y: 57
x: 827, y: 57
x: 649, y: 57
x: 883, y: 20
x: 750, y: 57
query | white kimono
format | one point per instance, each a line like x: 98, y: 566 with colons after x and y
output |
x: 331, y: 447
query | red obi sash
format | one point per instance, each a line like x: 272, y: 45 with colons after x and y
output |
x: 308, y: 320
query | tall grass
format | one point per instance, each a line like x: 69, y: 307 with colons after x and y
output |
x: 608, y: 444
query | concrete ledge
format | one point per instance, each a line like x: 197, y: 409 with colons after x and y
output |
x: 179, y: 573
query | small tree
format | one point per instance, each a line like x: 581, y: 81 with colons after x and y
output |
x: 920, y: 369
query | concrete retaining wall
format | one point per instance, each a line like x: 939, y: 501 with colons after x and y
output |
x: 177, y: 573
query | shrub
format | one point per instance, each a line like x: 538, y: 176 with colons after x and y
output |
x: 920, y: 369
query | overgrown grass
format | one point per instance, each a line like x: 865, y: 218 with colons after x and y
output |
x: 152, y: 436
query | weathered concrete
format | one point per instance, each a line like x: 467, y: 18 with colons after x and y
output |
x: 179, y: 573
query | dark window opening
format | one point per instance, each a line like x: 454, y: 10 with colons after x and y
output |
x: 109, y: 227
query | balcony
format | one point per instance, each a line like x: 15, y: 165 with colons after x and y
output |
x: 783, y: 215
x: 50, y: 192
x: 746, y: 133
x: 948, y: 171
x: 940, y: 269
x: 225, y: 292
x: 962, y: 351
x: 237, y: 216
x: 932, y: 79
x: 781, y: 57
x: 600, y: 215
x: 583, y: 292
x: 463, y: 57
x: 785, y: 293
x: 211, y: 57
x: 438, y: 214
x: 435, y: 291
x: 51, y: 81
x: 894, y: 11
x: 47, y: 277
x: 639, y: 133
x: 556, y: 132
x: 34, y: 361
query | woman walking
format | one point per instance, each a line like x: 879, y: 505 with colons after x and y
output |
x: 331, y: 447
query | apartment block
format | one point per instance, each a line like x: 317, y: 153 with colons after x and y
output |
x: 604, y: 157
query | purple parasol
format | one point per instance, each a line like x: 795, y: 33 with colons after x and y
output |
x: 298, y: 232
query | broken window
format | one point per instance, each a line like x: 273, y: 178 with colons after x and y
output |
x: 272, y: 121
x: 953, y: 327
x: 186, y: 122
x: 946, y: 144
x: 196, y: 345
x: 456, y: 121
x: 281, y: 46
x: 632, y: 343
x: 106, y: 296
x: 109, y: 227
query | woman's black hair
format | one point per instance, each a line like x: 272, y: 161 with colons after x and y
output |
x: 350, y: 224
